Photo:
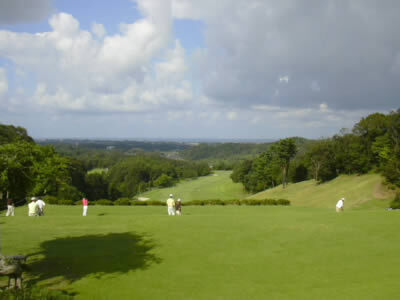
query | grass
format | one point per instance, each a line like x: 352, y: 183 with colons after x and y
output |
x: 98, y: 171
x: 215, y: 186
x: 364, y: 191
x: 209, y: 252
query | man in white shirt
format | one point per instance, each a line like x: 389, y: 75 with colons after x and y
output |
x: 41, y: 204
x: 171, y: 205
x: 340, y: 205
x: 32, y: 208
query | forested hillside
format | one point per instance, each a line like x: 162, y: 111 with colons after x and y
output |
x: 372, y: 145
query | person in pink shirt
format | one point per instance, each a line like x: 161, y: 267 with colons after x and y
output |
x: 85, y: 203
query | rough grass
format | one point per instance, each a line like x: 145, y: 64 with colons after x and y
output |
x: 215, y: 186
x: 360, y: 192
x: 209, y: 252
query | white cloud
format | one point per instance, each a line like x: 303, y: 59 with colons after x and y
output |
x: 99, y: 30
x: 77, y: 72
x: 323, y: 107
x: 232, y: 115
x: 3, y: 82
x: 284, y: 79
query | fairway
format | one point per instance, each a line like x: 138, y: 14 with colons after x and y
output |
x: 218, y: 185
x: 234, y: 252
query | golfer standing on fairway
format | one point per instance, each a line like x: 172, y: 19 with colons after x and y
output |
x: 340, y: 205
x: 85, y: 203
x: 171, y: 205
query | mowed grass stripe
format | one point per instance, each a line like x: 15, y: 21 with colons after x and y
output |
x: 210, y: 252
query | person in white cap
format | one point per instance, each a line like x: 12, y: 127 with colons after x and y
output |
x: 340, y: 205
x: 33, y: 208
x: 171, y: 205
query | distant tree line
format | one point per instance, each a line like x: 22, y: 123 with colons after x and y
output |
x: 27, y: 169
x: 372, y: 145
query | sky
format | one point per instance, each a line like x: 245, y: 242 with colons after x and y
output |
x: 231, y: 69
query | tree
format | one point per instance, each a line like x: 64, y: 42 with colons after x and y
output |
x: 163, y: 181
x: 27, y: 168
x: 286, y: 150
x: 320, y: 158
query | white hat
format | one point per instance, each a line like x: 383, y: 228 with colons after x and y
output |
x: 343, y: 199
x: 179, y: 199
x: 33, y: 198
x: 171, y: 195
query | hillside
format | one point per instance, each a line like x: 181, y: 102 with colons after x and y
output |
x: 216, y: 186
x: 360, y: 192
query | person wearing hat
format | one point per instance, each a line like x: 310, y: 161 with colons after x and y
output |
x: 33, y: 208
x: 171, y: 205
x: 340, y: 205
x: 178, y: 207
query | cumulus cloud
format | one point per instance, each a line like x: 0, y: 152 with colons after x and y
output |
x: 350, y: 48
x: 24, y: 11
x: 99, y: 30
x: 75, y: 71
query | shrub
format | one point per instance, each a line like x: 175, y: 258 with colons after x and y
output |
x: 156, y: 203
x: 66, y: 202
x: 123, y: 201
x: 139, y: 203
x: 104, y: 202
x: 50, y: 199
x: 395, y: 204
x: 283, y: 202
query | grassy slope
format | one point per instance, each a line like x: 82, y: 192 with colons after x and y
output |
x: 210, y: 252
x: 215, y: 186
x: 359, y: 191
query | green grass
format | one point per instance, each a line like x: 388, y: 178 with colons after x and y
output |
x: 98, y: 171
x: 210, y: 252
x: 215, y: 186
x: 364, y: 191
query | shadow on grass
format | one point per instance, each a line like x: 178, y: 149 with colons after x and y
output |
x: 72, y: 258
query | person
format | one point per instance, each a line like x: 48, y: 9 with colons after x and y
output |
x: 10, y: 207
x: 41, y: 204
x: 340, y: 205
x: 178, y: 207
x: 33, y: 208
x: 171, y: 205
x: 85, y: 203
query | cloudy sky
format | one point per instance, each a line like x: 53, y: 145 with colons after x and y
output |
x: 196, y: 69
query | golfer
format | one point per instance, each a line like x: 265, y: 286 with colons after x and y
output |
x: 33, y: 208
x: 10, y: 207
x: 171, y: 205
x: 85, y: 203
x: 340, y: 205
x: 41, y: 204
x: 178, y: 207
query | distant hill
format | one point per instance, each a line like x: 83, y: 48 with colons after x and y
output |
x: 232, y: 151
x: 365, y: 191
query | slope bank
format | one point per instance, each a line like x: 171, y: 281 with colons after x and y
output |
x: 365, y: 191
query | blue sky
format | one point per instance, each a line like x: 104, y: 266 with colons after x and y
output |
x: 191, y: 69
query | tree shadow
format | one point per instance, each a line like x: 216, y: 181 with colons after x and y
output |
x: 72, y: 258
